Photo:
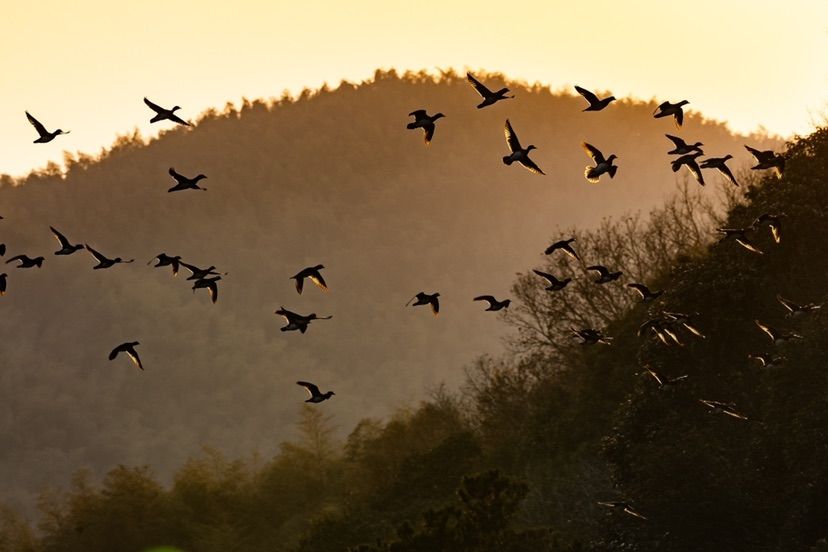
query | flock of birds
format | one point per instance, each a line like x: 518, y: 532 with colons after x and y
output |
x: 668, y: 328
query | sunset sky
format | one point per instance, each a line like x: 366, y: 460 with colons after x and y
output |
x: 85, y: 66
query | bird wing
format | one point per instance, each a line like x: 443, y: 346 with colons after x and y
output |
x: 531, y: 166
x: 593, y: 152
x: 692, y: 329
x: 133, y: 356
x: 319, y: 281
x: 655, y: 376
x: 428, y: 133
x: 755, y: 153
x: 546, y: 276
x: 16, y: 258
x: 511, y: 137
x: 678, y: 142
x: 100, y: 258
x: 114, y: 352
x: 60, y: 237
x: 212, y: 287
x: 633, y: 513
x: 180, y: 178
x: 192, y: 268
x: 155, y: 107
x: 37, y: 125
x: 570, y: 251
x: 419, y: 114
x: 478, y: 86
x: 300, y: 283
x: 790, y: 305
x: 744, y: 242
x: 488, y: 298
x: 435, y: 305
x: 725, y: 170
x: 765, y: 328
x: 312, y: 389
x: 679, y: 116
x: 588, y: 96
x: 776, y: 231
x: 602, y: 270
x: 179, y: 120
x: 694, y: 169
x: 642, y: 290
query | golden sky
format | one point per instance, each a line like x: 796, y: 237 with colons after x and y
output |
x: 86, y: 65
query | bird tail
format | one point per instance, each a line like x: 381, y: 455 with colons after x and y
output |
x: 411, y: 126
x: 589, y: 174
x: 612, y: 171
x: 507, y: 160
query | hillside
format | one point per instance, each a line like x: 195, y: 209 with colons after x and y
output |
x: 331, y: 177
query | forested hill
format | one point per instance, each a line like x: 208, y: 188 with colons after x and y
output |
x: 331, y: 177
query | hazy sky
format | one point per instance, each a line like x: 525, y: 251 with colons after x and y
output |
x: 86, y: 65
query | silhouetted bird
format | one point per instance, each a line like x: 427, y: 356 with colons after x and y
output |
x: 680, y: 319
x: 602, y: 165
x: 489, y: 97
x: 664, y: 383
x: 595, y: 104
x: 315, y: 276
x: 775, y: 223
x: 589, y: 336
x: 554, y: 283
x: 778, y: 336
x: 680, y: 147
x: 719, y: 163
x: 662, y: 330
x: 517, y: 152
x: 795, y: 309
x: 666, y: 109
x: 768, y: 360
x: 717, y: 407
x: 104, y: 262
x: 162, y: 114
x: 211, y: 284
x: 424, y: 121
x: 200, y: 273
x: 166, y: 260
x: 424, y: 298
x: 624, y: 507
x: 45, y: 135
x: 3, y: 277
x: 129, y: 349
x: 66, y: 248
x: 298, y: 321
x: 563, y: 245
x: 739, y: 235
x: 184, y: 183
x: 767, y: 159
x: 604, y: 274
x: 315, y: 396
x: 645, y: 293
x: 692, y: 165
x: 26, y: 261
x: 494, y: 304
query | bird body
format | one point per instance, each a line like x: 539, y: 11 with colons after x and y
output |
x: 602, y: 165
x: 184, y: 183
x: 773, y: 221
x: 565, y: 246
x: 494, y: 304
x: 200, y: 273
x: 424, y: 121
x: 767, y: 360
x: 604, y: 274
x: 589, y: 336
x: 66, y: 247
x: 665, y: 383
x: 162, y: 114
x: 680, y: 147
x: 298, y: 321
x: 105, y: 262
x: 167, y: 260
x: 517, y: 152
x: 489, y: 97
x: 720, y: 164
x: 645, y: 293
x: 44, y: 136
x: 667, y: 109
x: 26, y: 261
x: 315, y: 396
x: 739, y: 235
x: 312, y: 273
x: 423, y: 298
x: 729, y: 409
x: 690, y: 161
x: 777, y: 335
x: 795, y: 309
x: 595, y: 103
x: 129, y: 349
x: 210, y: 284
x: 768, y: 159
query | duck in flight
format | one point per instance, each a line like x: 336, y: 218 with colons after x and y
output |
x: 162, y: 114
x: 624, y: 507
x: 66, y: 247
x: 315, y: 396
x: 424, y: 121
x: 676, y: 319
x: 767, y: 360
x: 166, y: 260
x: 720, y: 164
x: 595, y: 103
x: 778, y: 336
x: 690, y: 161
x: 590, y: 336
x: 105, y: 262
x: 728, y: 409
x: 795, y: 309
x: 201, y: 273
x: 494, y: 304
x: 44, y: 135
x: 664, y: 383
x: 645, y: 293
x: 296, y: 321
x: 680, y: 147
x: 210, y: 284
x: 184, y: 183
x: 129, y: 349
x: 555, y: 284
x: 768, y: 159
x: 517, y: 152
x: 774, y: 221
x: 662, y: 330
x: 424, y: 298
x: 312, y: 273
x: 739, y: 235
x: 26, y: 261
x: 666, y: 109
x: 489, y: 97
x: 604, y: 274
x: 565, y: 246
x: 602, y: 165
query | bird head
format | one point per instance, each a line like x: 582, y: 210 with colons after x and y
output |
x: 117, y: 259
x: 531, y: 147
x: 39, y: 261
x: 330, y: 393
x: 319, y: 267
x: 682, y: 102
x: 697, y: 144
x: 176, y: 108
x: 436, y: 295
x: 439, y: 116
x: 611, y: 157
x: 507, y: 302
x: 199, y: 177
x: 728, y: 156
x: 611, y: 99
x: 134, y: 343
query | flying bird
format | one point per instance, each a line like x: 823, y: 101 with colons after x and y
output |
x: 129, y: 349
x: 739, y: 235
x: 775, y: 223
x: 624, y: 507
x: 424, y: 298
x: 104, y: 262
x: 26, y: 261
x: 589, y: 336
x: 595, y: 103
x: 315, y: 396
x: 494, y: 304
x: 602, y: 165
x: 211, y: 284
x: 689, y: 161
x: 778, y: 336
x: 184, y: 183
x: 517, y: 152
x: 604, y: 274
x: 424, y: 121
x: 645, y: 293
x: 162, y: 114
x: 767, y: 360
x: 729, y: 409
x: 565, y: 246
x: 66, y: 247
x: 666, y: 109
x: 555, y: 284
x: 296, y: 321
x: 664, y: 383
x: 720, y: 164
x: 795, y: 309
x: 676, y: 319
x: 661, y: 328
x: 200, y: 273
x: 311, y: 272
x: 44, y: 135
x: 680, y: 147
x: 489, y: 97
x: 166, y: 260
x: 768, y: 159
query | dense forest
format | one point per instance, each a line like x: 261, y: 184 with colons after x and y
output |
x: 520, y: 445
